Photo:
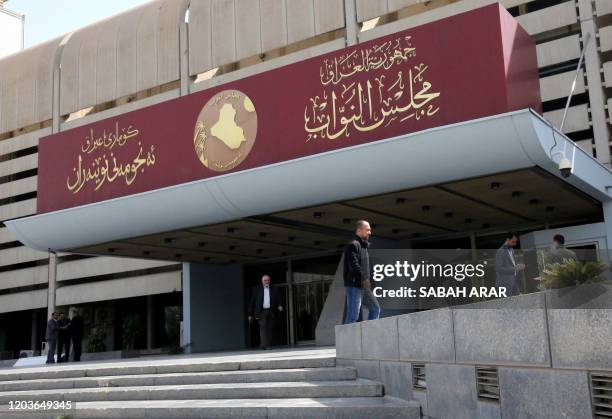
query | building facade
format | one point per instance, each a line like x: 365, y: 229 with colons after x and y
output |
x: 11, y: 31
x: 167, y: 49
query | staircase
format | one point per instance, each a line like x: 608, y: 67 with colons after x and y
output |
x: 281, y: 387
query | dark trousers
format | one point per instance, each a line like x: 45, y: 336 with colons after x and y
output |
x: 63, y: 347
x: 266, y: 327
x: 52, y: 345
x: 76, y: 347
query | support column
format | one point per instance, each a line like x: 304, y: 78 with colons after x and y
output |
x: 52, y: 283
x: 184, y: 48
x: 186, y: 326
x: 214, y: 315
x: 350, y: 21
x: 290, y: 311
x: 597, y: 98
x: 34, y: 334
x: 607, y: 211
x: 150, y: 322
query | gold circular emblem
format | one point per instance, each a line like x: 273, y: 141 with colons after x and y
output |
x: 225, y: 130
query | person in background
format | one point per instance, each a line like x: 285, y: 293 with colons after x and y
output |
x: 506, y: 268
x: 76, y: 333
x: 264, y: 305
x: 357, y: 275
x: 558, y: 253
x: 51, y: 336
x: 63, y: 339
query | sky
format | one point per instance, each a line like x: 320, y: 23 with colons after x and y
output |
x: 48, y: 19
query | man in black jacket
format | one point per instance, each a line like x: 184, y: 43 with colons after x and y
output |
x: 76, y: 332
x: 264, y: 305
x: 63, y: 340
x: 357, y: 275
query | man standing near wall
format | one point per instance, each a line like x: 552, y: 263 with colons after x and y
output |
x: 558, y: 253
x: 76, y: 332
x: 506, y: 267
x: 357, y: 275
x: 51, y: 336
x: 265, y: 304
x: 63, y: 339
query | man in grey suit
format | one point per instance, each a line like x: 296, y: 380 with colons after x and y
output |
x: 51, y: 336
x: 506, y: 267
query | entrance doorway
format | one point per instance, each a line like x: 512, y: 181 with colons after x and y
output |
x: 304, y: 285
x: 309, y: 294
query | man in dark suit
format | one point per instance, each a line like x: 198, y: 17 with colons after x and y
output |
x: 506, y: 267
x: 264, y: 305
x: 76, y: 332
x: 51, y: 336
x: 63, y: 338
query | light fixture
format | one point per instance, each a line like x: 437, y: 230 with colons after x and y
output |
x: 516, y: 194
x: 258, y: 251
x: 395, y: 231
x: 534, y: 201
x: 486, y: 225
x: 290, y: 238
x: 316, y: 242
x: 232, y: 247
x: 178, y: 255
x: 495, y: 185
x: 448, y: 214
x: 168, y: 240
x: 468, y: 220
x: 111, y: 250
x: 201, y: 244
x: 346, y: 220
x: 231, y: 229
x: 146, y: 253
x: 550, y: 208
x: 425, y: 208
x: 317, y: 214
x: 263, y: 234
x: 400, y: 200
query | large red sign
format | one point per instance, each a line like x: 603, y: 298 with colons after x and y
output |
x: 464, y: 67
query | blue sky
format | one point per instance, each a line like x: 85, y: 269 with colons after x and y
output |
x: 47, y: 19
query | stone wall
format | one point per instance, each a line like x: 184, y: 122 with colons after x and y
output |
x: 543, y: 345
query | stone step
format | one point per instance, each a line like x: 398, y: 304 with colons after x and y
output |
x: 240, y: 376
x: 307, y: 389
x: 186, y: 365
x: 306, y: 408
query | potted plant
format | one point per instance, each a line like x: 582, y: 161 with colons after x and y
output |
x: 97, y: 338
x: 130, y: 331
x: 570, y: 273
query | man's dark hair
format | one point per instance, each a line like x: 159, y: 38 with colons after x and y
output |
x: 360, y: 224
x: 511, y: 234
x: 55, y: 312
x: 559, y: 238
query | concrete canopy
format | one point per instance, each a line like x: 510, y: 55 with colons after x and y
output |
x: 473, y: 149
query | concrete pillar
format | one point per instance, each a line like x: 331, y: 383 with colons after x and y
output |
x: 52, y: 283
x: 607, y: 211
x: 150, y: 322
x: 350, y: 21
x: 184, y: 49
x: 34, y: 334
x: 214, y: 315
x: 186, y: 324
x: 290, y: 313
x: 597, y: 97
